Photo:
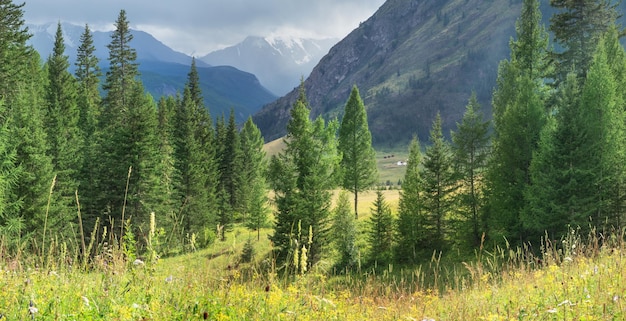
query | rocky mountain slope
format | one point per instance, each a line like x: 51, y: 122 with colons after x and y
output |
x: 411, y: 60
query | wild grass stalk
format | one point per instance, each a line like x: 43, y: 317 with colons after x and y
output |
x: 45, y: 222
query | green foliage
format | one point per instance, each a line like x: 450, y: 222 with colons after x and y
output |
x: 302, y: 177
x: 15, y: 52
x: 439, y: 187
x: 344, y: 233
x: 253, y: 187
x: 65, y: 139
x: 358, y: 161
x: 411, y: 212
x: 381, y: 232
x: 577, y: 28
x: 471, y: 149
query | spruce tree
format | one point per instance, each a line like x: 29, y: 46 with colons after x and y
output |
x: 28, y: 139
x: 471, y: 148
x: 10, y: 224
x: 15, y: 52
x: 577, y: 28
x: 302, y: 177
x: 253, y: 189
x: 411, y: 212
x: 355, y: 143
x: 62, y: 125
x: 439, y: 186
x: 381, y: 231
x: 127, y: 137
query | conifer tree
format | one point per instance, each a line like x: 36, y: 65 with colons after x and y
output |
x: 518, y: 117
x: 15, y: 52
x: 302, y: 178
x: 9, y: 174
x: 471, y: 148
x: 87, y: 75
x: 127, y: 137
x: 62, y: 125
x: 253, y: 189
x: 344, y: 233
x: 381, y: 231
x: 355, y: 144
x: 577, y: 28
x: 439, y: 186
x: 411, y: 212
x: 28, y: 138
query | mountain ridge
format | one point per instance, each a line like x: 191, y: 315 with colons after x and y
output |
x: 410, y: 60
x: 163, y: 71
x: 279, y: 62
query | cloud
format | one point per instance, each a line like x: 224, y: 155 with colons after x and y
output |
x: 200, y: 26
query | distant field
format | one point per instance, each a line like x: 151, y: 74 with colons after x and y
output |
x: 387, y: 161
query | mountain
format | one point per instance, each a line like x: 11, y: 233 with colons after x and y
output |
x: 410, y: 60
x: 279, y: 62
x: 164, y: 71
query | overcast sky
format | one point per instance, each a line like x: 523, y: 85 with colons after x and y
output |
x: 196, y: 27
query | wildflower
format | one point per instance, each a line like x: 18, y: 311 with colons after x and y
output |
x: 615, y: 298
x: 138, y: 262
x: 169, y: 279
x: 553, y: 310
x: 205, y: 315
x: 32, y: 309
x: 267, y: 288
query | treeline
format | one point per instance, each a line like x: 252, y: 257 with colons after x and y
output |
x: 552, y: 160
x: 85, y: 162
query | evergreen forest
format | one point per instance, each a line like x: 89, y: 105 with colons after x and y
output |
x: 90, y: 162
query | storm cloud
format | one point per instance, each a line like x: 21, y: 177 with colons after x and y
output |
x: 196, y: 27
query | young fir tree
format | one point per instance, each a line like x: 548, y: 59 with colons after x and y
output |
x: 15, y: 51
x: 439, y: 187
x: 471, y: 148
x: 253, y: 189
x: 355, y: 144
x: 577, y: 28
x: 381, y: 231
x: 302, y: 179
x: 411, y: 219
x: 344, y: 233
x: 62, y: 125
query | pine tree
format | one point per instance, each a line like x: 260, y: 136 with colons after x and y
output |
x: 62, y: 125
x: 355, y: 144
x: 302, y: 178
x: 471, y: 148
x: 439, y: 186
x: 381, y: 231
x: 15, y: 52
x: 411, y: 219
x: 577, y: 28
x: 344, y: 233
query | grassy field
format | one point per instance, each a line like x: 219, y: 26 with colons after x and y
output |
x: 387, y: 162
x: 580, y: 281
